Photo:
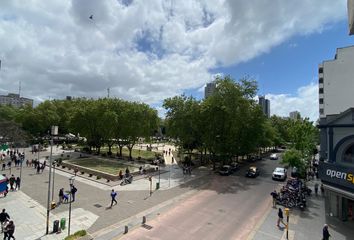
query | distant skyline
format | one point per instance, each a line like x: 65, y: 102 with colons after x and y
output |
x: 151, y: 50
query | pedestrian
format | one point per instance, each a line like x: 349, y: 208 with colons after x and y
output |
x: 322, y: 189
x: 4, y: 217
x: 12, y: 182
x: 18, y: 183
x: 316, y: 189
x: 274, y: 195
x: 172, y: 159
x: 73, y: 192
x: 3, y: 167
x: 10, y: 230
x: 27, y: 163
x: 61, y: 195
x: 325, y: 233
x: 38, y: 168
x: 113, y: 196
x: 280, y: 218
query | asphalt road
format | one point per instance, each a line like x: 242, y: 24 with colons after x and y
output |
x: 228, y: 208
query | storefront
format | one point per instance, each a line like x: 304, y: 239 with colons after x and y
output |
x: 338, y: 182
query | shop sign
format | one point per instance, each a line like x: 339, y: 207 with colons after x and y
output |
x: 334, y: 173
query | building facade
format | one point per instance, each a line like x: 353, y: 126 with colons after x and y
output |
x: 209, y: 89
x: 265, y: 105
x: 294, y: 115
x: 335, y: 81
x: 15, y: 100
x: 336, y: 168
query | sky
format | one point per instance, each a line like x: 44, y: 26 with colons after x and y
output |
x: 148, y: 51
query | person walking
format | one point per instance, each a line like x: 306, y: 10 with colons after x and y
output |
x: 4, y: 217
x: 316, y: 189
x: 280, y: 218
x: 61, y: 195
x: 10, y: 230
x: 18, y: 183
x: 274, y: 195
x: 3, y: 166
x: 113, y: 197
x: 73, y: 192
x: 325, y: 233
x: 12, y: 182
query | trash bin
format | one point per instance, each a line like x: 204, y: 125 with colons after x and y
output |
x: 62, y: 223
x: 55, y: 226
x: 53, y: 205
x: 157, y: 185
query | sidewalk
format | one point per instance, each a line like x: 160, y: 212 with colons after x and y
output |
x: 303, y: 225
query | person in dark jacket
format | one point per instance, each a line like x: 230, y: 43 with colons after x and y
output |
x: 12, y: 182
x: 4, y: 216
x: 10, y: 230
x: 325, y: 232
x: 280, y: 218
x: 18, y: 183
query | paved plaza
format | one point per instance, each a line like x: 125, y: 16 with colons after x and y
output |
x: 91, y: 210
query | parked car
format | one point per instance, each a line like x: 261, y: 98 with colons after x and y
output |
x: 252, y: 172
x: 280, y: 174
x: 225, y: 170
x: 273, y: 156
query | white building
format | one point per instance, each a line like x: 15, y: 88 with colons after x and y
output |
x: 15, y: 100
x: 209, y: 89
x: 336, y: 83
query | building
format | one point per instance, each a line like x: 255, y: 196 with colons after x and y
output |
x: 336, y: 168
x: 335, y: 78
x: 209, y: 89
x: 15, y: 100
x: 351, y: 16
x: 336, y: 108
x: 265, y: 105
x: 294, y: 115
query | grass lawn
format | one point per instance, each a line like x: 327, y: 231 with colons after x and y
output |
x: 135, y: 152
x: 108, y: 166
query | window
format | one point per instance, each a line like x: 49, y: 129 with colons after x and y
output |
x: 321, y: 90
x: 321, y: 100
x: 321, y: 111
x: 348, y: 155
x: 320, y: 70
x: 320, y: 80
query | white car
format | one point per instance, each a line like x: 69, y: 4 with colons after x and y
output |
x: 280, y: 174
x: 273, y: 156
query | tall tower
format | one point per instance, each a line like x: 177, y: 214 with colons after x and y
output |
x: 265, y: 105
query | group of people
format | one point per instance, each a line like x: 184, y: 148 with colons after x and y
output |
x: 7, y: 225
x: 64, y: 196
x: 14, y: 183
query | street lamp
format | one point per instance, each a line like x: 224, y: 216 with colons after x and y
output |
x: 53, y: 132
x: 71, y: 182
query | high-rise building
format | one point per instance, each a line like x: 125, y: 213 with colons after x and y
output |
x: 265, y: 105
x: 335, y: 78
x: 15, y: 100
x: 294, y: 115
x: 209, y: 89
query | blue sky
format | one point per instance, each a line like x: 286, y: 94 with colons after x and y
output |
x: 148, y: 51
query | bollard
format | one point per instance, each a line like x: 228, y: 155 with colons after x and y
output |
x: 144, y: 219
x: 125, y: 229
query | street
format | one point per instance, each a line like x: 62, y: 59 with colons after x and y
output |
x: 227, y: 208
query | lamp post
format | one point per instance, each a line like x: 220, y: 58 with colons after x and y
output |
x: 71, y: 182
x: 53, y: 132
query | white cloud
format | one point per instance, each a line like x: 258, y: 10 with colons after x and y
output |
x: 305, y: 101
x: 144, y: 50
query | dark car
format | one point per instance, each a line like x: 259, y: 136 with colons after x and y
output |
x: 252, y: 172
x: 225, y: 170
